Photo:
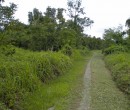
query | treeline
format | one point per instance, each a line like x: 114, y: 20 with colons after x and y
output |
x: 116, y: 39
x: 49, y: 30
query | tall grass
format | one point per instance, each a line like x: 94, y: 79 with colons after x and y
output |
x: 24, y: 72
x: 119, y: 64
x: 25, y: 75
x: 61, y: 92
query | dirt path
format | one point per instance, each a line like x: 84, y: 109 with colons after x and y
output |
x: 85, y: 102
x: 100, y: 91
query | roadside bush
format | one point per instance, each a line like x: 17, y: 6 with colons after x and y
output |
x: 49, y: 65
x: 67, y: 50
x: 16, y: 78
x: 73, y: 53
x: 24, y: 71
x: 114, y: 49
x: 119, y: 64
x: 7, y: 50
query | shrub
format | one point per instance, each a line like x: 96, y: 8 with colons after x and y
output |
x: 114, y: 49
x: 67, y: 50
x: 24, y: 71
x: 7, y: 50
x: 17, y: 78
x: 49, y: 65
x: 119, y: 64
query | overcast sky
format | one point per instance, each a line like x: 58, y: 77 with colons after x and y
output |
x: 105, y: 13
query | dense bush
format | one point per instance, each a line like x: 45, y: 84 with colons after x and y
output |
x: 49, y: 65
x: 75, y: 53
x: 119, y: 64
x: 67, y: 50
x: 115, y: 49
x: 24, y: 71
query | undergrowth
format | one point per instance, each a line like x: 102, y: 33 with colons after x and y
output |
x: 119, y: 64
x: 25, y: 71
x: 26, y: 75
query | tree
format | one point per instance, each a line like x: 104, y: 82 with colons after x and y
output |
x: 78, y: 19
x: 6, y: 17
x: 6, y: 14
x: 113, y: 36
x: 75, y: 12
x: 128, y: 25
x: 34, y: 17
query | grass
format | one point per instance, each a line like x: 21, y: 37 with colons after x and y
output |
x: 104, y: 93
x: 57, y: 93
x: 119, y: 65
x: 25, y: 72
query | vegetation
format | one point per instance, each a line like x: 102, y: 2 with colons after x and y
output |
x: 119, y: 64
x: 53, y: 44
x: 104, y: 94
x: 117, y: 56
x: 34, y: 55
x: 115, y: 49
x: 60, y: 93
x: 25, y: 71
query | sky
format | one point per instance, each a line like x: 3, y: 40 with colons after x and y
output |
x: 105, y: 13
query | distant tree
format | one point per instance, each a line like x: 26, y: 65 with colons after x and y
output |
x: 78, y: 19
x: 6, y: 14
x: 128, y: 25
x: 60, y: 16
x: 34, y: 17
x: 113, y: 36
x: 92, y: 43
x: 75, y: 12
x: 6, y: 17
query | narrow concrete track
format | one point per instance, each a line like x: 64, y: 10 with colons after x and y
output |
x: 99, y: 90
x: 86, y: 97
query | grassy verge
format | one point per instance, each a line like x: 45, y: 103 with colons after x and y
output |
x: 57, y: 93
x: 104, y: 93
x: 38, y: 80
x: 119, y: 65
x: 24, y: 72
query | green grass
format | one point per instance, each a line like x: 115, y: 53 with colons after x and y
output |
x: 59, y: 93
x: 119, y: 65
x: 39, y: 80
x: 24, y: 72
x: 104, y: 93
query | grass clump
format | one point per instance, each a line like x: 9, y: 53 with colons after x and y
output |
x: 115, y: 49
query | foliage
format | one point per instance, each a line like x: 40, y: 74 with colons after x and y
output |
x: 75, y: 12
x: 6, y: 14
x: 92, y: 43
x: 60, y: 93
x: 119, y: 64
x: 128, y: 23
x: 67, y: 50
x: 113, y: 36
x: 24, y: 71
x: 114, y: 49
